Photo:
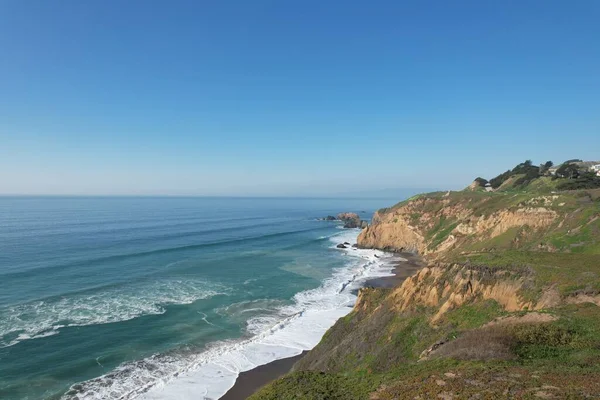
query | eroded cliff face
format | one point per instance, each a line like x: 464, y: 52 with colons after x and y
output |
x: 434, y: 226
x: 418, y: 312
x: 392, y: 234
x: 446, y: 287
x: 450, y: 229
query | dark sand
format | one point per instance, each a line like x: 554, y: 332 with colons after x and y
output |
x: 250, y: 381
x: 403, y: 270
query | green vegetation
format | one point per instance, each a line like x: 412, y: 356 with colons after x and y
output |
x: 557, y: 354
x: 570, y: 175
x: 442, y: 234
x: 569, y: 273
x: 561, y: 355
x: 481, y: 182
x: 313, y: 385
x: 474, y: 315
x: 583, y: 180
x: 525, y: 171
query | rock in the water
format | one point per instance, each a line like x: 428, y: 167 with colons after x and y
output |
x: 351, y: 220
x: 347, y: 244
x: 341, y: 246
x: 345, y: 216
x: 328, y: 218
x: 355, y: 245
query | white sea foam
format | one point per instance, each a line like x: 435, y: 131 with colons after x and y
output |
x: 46, y: 318
x: 280, y: 331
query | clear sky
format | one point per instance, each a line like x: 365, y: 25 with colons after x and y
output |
x: 290, y: 97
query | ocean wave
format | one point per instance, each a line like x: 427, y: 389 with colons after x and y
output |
x: 277, y: 330
x: 105, y: 225
x: 256, y: 314
x: 122, y: 303
x: 91, y: 262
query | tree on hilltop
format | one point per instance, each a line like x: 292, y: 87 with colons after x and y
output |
x: 481, y: 182
x: 545, y: 167
x: 568, y: 170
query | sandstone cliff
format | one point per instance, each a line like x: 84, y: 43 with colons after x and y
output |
x: 449, y: 287
x: 437, y: 224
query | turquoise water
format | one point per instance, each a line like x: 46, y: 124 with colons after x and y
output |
x: 165, y: 297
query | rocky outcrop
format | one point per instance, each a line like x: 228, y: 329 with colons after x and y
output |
x: 352, y: 220
x: 394, y: 235
x: 447, y: 287
x: 347, y: 216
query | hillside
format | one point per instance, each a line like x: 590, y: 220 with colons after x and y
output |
x: 545, y: 178
x: 507, y: 306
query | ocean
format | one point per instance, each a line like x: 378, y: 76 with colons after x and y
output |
x: 168, y: 298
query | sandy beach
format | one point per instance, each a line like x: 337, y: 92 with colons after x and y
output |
x: 250, y: 381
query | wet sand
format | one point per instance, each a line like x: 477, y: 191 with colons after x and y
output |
x: 403, y: 270
x: 250, y: 381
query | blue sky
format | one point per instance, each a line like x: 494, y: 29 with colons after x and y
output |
x: 290, y: 97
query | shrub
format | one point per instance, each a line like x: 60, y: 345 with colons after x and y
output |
x: 526, y: 168
x: 586, y: 180
x: 506, y: 342
x: 490, y: 343
x: 311, y: 385
x: 541, y: 340
x: 481, y: 182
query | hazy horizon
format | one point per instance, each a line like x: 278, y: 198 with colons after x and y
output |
x: 370, y: 194
x: 290, y: 99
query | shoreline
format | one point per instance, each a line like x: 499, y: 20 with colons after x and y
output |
x: 401, y: 271
x: 249, y: 382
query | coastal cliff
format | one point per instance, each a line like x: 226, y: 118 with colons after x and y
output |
x: 506, y: 305
x: 440, y: 223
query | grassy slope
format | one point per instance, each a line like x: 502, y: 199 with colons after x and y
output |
x: 374, y: 353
